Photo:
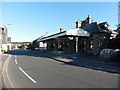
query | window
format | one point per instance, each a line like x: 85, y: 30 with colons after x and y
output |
x: 91, y: 44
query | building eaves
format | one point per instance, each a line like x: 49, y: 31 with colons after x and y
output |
x: 78, y: 32
x: 72, y: 32
x: 52, y: 36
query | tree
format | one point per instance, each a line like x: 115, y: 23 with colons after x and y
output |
x: 13, y: 47
x: 8, y: 48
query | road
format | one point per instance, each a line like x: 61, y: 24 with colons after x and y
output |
x: 30, y: 69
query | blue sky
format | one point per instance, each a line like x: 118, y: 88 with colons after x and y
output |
x: 31, y: 20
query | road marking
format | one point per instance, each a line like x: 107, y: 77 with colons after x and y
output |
x: 27, y: 75
x: 16, y: 61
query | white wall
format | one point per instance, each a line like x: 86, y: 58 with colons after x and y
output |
x: 41, y: 44
x: 5, y: 46
x: 0, y: 50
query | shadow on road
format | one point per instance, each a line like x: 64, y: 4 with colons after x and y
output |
x: 80, y: 60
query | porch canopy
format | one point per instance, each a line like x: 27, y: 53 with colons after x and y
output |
x: 72, y: 32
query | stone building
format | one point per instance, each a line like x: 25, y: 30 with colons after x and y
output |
x: 5, y: 41
x: 118, y: 29
x: 36, y: 43
x: 88, y: 37
x: 4, y: 35
x: 116, y: 40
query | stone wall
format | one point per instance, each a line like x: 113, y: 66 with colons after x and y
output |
x: 100, y: 41
x: 94, y: 44
x: 61, y: 44
x: 83, y: 45
x: 89, y: 45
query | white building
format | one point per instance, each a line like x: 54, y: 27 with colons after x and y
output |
x: 5, y: 41
x: 0, y: 40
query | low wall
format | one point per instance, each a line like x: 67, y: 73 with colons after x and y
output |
x: 55, y: 52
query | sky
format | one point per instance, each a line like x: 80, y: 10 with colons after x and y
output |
x: 30, y: 20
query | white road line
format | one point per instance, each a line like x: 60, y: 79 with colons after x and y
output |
x: 27, y: 75
x: 16, y: 61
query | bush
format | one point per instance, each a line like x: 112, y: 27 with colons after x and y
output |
x: 25, y: 46
x: 12, y: 47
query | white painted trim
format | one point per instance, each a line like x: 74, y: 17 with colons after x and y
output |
x: 55, y: 36
x: 73, y: 32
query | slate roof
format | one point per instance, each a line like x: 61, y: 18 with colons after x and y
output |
x: 97, y: 27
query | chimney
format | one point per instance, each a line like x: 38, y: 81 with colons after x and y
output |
x: 61, y: 29
x: 46, y: 34
x: 78, y: 24
x: 89, y: 19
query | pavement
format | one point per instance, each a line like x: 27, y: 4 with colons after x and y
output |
x: 87, y: 61
x: 0, y: 71
x: 3, y: 58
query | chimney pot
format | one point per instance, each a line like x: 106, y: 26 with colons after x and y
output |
x: 78, y: 24
x: 61, y: 29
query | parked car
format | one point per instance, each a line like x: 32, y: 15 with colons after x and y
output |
x: 38, y: 49
x: 110, y: 54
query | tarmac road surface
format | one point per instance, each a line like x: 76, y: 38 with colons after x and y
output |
x: 30, y: 69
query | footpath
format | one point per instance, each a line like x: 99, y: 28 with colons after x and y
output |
x: 3, y: 57
x: 86, y: 61
x: 0, y: 70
